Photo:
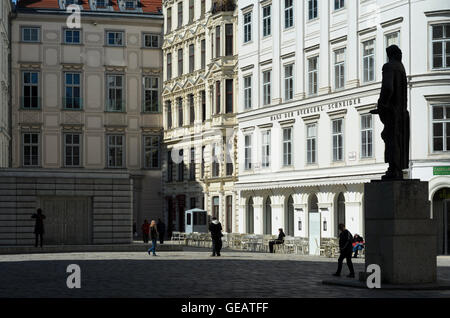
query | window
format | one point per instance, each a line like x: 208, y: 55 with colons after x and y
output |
x: 30, y: 34
x: 114, y: 38
x: 72, y: 36
x: 30, y: 90
x: 229, y: 168
x: 229, y: 96
x: 215, y: 211
x: 192, y: 165
x: 217, y: 97
x: 169, y: 20
x: 229, y: 213
x: 248, y: 92
x: 339, y: 4
x: 339, y: 69
x: 366, y: 135
x: 151, y: 40
x: 169, y: 66
x: 247, y: 27
x: 101, y: 4
x: 191, y: 11
x: 441, y: 46
x: 215, y: 160
x: 151, y: 152
x: 180, y: 112
x: 202, y: 170
x: 115, y: 151
x: 266, y: 87
x: 369, y: 61
x: 203, y: 97
x: 267, y: 20
x: 312, y: 9
x: 248, y: 152
x: 441, y: 127
x: 218, y: 41
x: 169, y: 114
x: 202, y: 8
x: 191, y: 58
x: 191, y: 109
x: 181, y: 165
x: 72, y: 91
x: 312, y: 75
x: 180, y: 14
x: 180, y: 62
x: 193, y: 205
x: 228, y: 39
x: 311, y: 135
x: 130, y: 4
x: 169, y: 166
x: 115, y: 93
x: 30, y: 149
x: 288, y: 14
x: 203, y: 54
x: 287, y: 146
x: 289, y: 82
x: 265, y: 143
x: 151, y: 94
x: 338, y: 139
x: 72, y: 150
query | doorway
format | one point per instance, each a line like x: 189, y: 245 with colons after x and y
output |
x: 314, y: 226
x: 441, y: 213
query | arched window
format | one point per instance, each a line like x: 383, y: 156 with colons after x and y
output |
x: 268, y: 217
x: 289, y: 220
x: 313, y: 203
x: 250, y: 217
x: 340, y: 212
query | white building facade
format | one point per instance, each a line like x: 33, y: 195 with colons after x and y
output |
x: 309, y: 74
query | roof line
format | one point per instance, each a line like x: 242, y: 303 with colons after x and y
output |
x: 91, y: 13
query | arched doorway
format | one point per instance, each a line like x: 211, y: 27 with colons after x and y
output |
x: 250, y: 217
x: 289, y: 217
x: 441, y: 213
x: 340, y: 213
x: 268, y: 216
x: 314, y: 225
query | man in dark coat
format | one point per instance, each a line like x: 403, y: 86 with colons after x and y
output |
x: 346, y: 249
x: 216, y: 235
x: 392, y: 108
x: 38, y: 226
x: 161, y: 230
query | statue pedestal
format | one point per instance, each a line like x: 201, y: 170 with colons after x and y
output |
x: 400, y: 236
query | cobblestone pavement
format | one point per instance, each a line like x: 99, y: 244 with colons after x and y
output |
x: 185, y: 274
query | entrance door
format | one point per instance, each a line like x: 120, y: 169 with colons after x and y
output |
x: 314, y: 233
x: 447, y: 227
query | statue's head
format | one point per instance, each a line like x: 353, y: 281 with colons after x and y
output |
x: 394, y: 53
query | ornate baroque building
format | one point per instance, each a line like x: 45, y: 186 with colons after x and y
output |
x: 200, y: 81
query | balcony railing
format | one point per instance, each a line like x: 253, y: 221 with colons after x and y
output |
x: 72, y: 103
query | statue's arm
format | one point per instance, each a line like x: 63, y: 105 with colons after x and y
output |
x: 387, y: 86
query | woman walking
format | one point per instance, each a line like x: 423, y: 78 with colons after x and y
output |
x: 154, y: 237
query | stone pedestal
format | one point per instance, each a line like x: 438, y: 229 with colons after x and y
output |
x: 400, y: 236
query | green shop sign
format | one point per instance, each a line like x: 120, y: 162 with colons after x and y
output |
x: 441, y: 171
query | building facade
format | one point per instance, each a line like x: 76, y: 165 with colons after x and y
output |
x: 86, y: 120
x: 310, y: 72
x: 200, y: 104
x: 5, y: 49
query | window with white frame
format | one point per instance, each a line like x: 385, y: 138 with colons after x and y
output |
x: 169, y: 66
x: 312, y: 9
x: 391, y: 39
x: 441, y: 127
x: 169, y: 114
x: 180, y: 111
x: 72, y: 149
x: 72, y: 36
x: 30, y: 143
x: 267, y: 27
x: 366, y: 136
x: 369, y: 61
x: 114, y: 38
x: 248, y: 92
x: 339, y: 69
x: 180, y: 62
x: 151, y: 40
x: 338, y: 139
x: 288, y: 13
x: 311, y: 143
x: 247, y: 27
x: 203, y: 53
x: 72, y: 91
x: 30, y: 90
x: 115, y: 96
x: 289, y: 82
x: 287, y: 146
x: 151, y: 152
x: 191, y: 58
x: 30, y: 34
x: 101, y: 3
x: 265, y: 147
x: 130, y: 4
x: 312, y: 75
x: 180, y: 165
x: 440, y: 46
x: 180, y: 14
x: 267, y: 87
x: 248, y: 152
x: 215, y: 160
x: 192, y: 164
x: 115, y: 151
x: 339, y: 4
x: 151, y: 94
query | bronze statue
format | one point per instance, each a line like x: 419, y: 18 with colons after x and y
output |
x: 392, y: 108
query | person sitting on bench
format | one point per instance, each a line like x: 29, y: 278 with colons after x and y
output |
x: 358, y: 244
x: 279, y: 240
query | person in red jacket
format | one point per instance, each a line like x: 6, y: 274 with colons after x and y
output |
x: 145, y: 230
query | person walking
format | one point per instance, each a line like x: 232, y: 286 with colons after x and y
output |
x: 161, y: 227
x: 153, y: 237
x: 145, y: 231
x: 216, y: 235
x: 279, y: 240
x: 38, y: 227
x: 346, y: 249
